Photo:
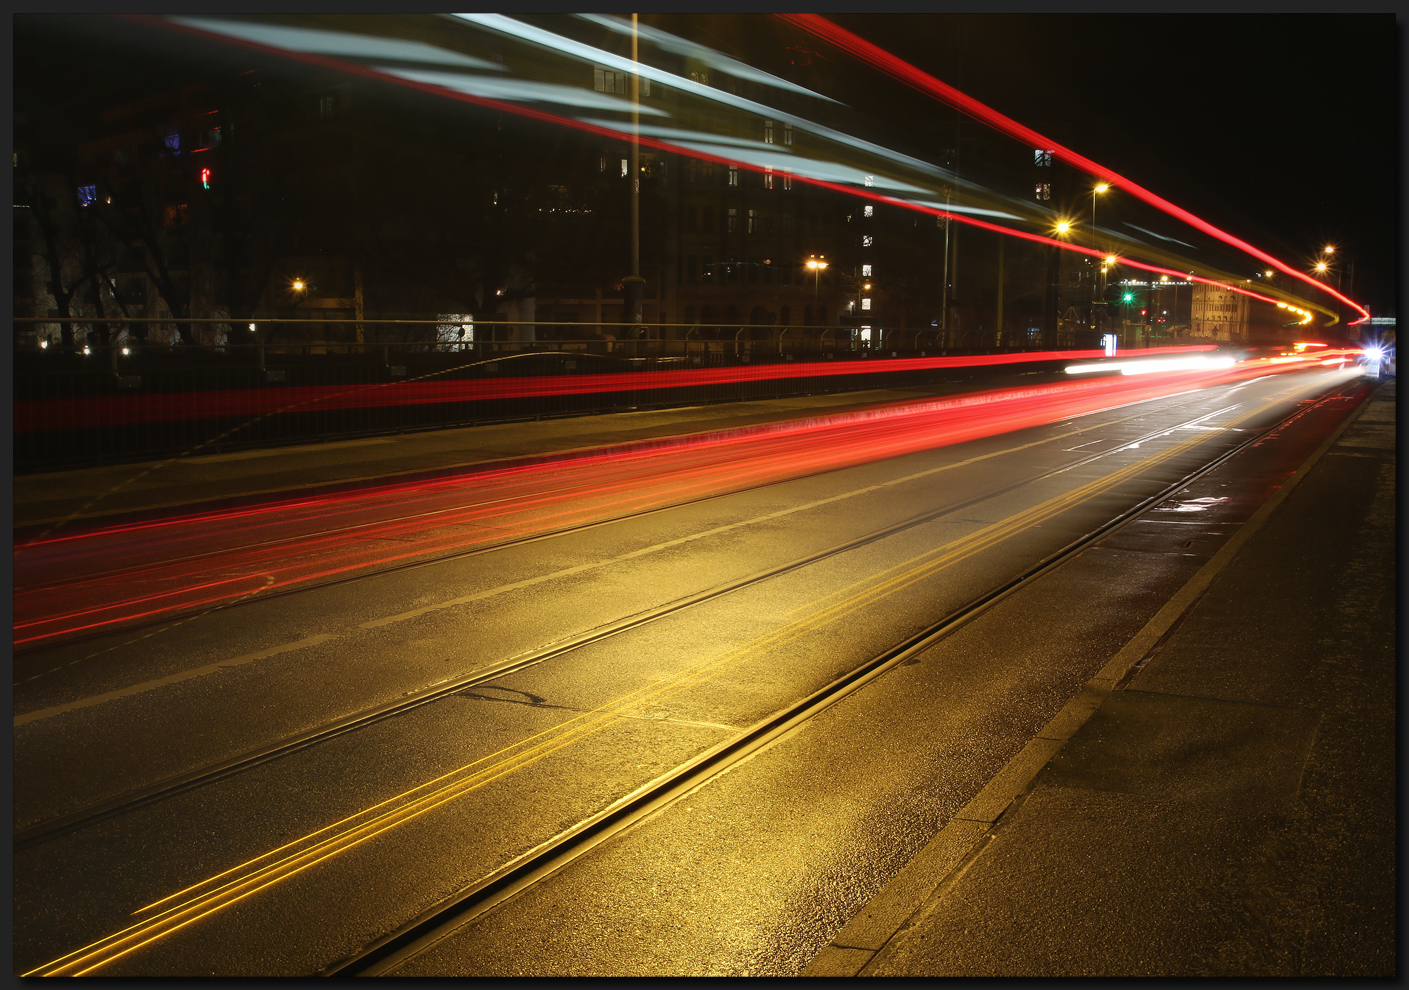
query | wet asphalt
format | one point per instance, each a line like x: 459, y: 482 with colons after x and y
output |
x: 755, y: 873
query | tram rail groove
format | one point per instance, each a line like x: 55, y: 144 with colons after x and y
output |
x: 385, y: 954
x: 173, y: 786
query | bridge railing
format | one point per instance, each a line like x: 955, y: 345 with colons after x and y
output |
x: 138, y: 395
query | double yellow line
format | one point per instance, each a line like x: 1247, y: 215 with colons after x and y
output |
x: 187, y: 906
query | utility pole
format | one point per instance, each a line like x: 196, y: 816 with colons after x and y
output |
x: 944, y: 289
x: 999, y: 318
x: 634, y: 284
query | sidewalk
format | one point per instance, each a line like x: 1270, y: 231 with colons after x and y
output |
x: 1230, y: 811
x: 168, y: 484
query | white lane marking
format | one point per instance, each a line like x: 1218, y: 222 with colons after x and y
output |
x: 176, y: 678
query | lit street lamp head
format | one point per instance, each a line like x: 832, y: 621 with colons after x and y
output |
x: 1063, y: 227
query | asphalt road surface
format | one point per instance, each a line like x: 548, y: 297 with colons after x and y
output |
x: 278, y: 783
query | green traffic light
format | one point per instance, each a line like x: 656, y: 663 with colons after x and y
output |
x: 1128, y: 297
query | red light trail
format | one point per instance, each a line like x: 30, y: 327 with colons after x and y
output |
x: 925, y: 83
x: 119, y: 410
x: 660, y: 145
x: 163, y: 569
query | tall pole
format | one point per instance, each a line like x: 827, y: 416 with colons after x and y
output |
x: 999, y: 338
x: 634, y: 283
x: 944, y: 289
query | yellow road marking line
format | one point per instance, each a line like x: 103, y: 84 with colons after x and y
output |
x: 100, y: 952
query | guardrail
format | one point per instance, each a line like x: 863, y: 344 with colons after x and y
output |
x: 130, y: 399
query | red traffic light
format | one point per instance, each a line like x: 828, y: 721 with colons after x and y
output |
x: 205, y: 178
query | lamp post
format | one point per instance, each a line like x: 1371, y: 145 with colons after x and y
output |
x: 1094, y: 193
x: 816, y: 264
x: 1324, y: 264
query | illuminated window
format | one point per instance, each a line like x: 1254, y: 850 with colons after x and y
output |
x: 787, y: 179
x: 868, y: 211
x: 787, y: 133
x: 645, y: 86
x: 867, y: 240
x: 733, y: 223
x: 767, y: 178
x: 733, y: 175
x: 173, y: 143
x: 1043, y: 190
x: 866, y: 303
x: 768, y: 132
x: 870, y: 180
x: 753, y: 221
x: 625, y: 166
x: 865, y: 271
x: 1041, y: 158
x: 87, y: 195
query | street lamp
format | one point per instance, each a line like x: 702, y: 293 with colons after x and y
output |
x: 816, y: 264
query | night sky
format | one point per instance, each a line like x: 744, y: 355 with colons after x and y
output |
x: 1280, y: 129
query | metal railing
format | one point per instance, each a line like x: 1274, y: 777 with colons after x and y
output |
x: 133, y: 398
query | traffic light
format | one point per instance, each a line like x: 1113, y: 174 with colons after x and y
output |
x: 205, y: 178
x: 1129, y: 297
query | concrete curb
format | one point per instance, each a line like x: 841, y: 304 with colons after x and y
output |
x: 917, y: 889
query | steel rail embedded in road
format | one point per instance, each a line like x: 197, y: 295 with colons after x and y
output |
x: 484, y: 895
x: 131, y: 800
x: 417, y: 936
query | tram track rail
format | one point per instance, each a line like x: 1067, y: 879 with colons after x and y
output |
x: 129, y: 801
x: 483, y: 896
x: 384, y: 955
